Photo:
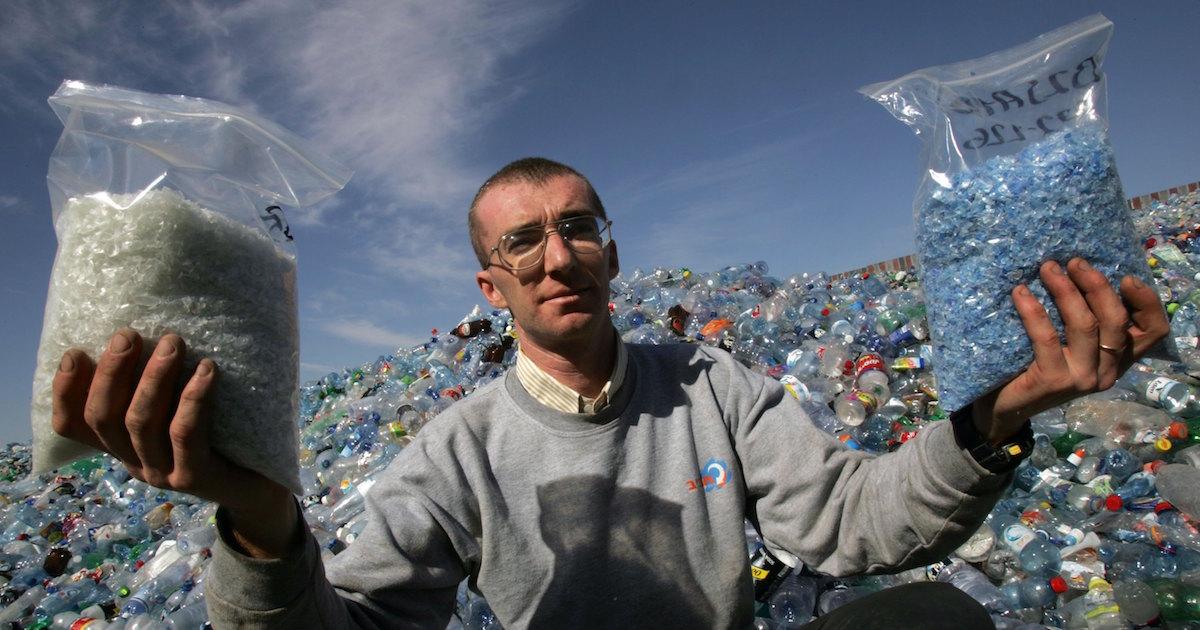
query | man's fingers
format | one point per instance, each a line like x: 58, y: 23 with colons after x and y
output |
x: 112, y: 388
x: 68, y: 396
x: 189, y: 427
x: 1111, y: 317
x: 1149, y: 319
x: 1047, y: 351
x: 149, y: 411
x: 1081, y: 327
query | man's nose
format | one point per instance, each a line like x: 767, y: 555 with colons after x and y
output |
x: 558, y: 256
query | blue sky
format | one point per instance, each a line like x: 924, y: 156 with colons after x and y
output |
x: 715, y: 132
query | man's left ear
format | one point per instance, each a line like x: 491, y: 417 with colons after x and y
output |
x: 614, y: 265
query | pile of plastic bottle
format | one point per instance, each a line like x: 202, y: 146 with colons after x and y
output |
x: 1081, y: 539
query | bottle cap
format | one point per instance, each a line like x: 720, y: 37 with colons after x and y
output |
x: 1113, y: 503
x: 1162, y: 444
x: 1058, y: 584
x: 1177, y: 430
x: 1163, y: 506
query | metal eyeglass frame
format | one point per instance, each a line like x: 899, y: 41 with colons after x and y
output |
x: 546, y: 236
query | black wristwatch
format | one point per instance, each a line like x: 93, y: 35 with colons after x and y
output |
x: 997, y: 459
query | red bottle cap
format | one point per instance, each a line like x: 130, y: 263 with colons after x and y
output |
x: 1113, y: 503
x: 1058, y: 584
x: 1177, y: 430
x: 1162, y: 506
x: 824, y: 312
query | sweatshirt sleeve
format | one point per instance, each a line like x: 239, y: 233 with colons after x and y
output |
x: 846, y: 512
x: 401, y: 572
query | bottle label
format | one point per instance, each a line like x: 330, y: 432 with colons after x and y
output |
x: 1017, y: 537
x: 794, y: 387
x: 908, y: 363
x: 1156, y: 388
x: 794, y: 357
x: 868, y: 401
x: 1101, y: 485
x: 932, y: 570
x: 1103, y: 609
x: 868, y: 362
x: 768, y: 571
x: 1146, y: 436
x: 902, y: 337
x: 1049, y: 477
x: 1070, y: 535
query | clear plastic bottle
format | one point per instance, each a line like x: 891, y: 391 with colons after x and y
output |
x: 1032, y: 592
x: 854, y: 407
x: 792, y: 604
x: 837, y: 596
x: 190, y: 616
x: 1124, y: 423
x: 971, y: 581
x: 1035, y: 555
x: 1160, y: 391
x: 1137, y: 601
x: 872, y: 376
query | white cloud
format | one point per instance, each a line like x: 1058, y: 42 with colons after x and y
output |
x: 398, y: 90
x: 367, y: 333
x: 8, y: 201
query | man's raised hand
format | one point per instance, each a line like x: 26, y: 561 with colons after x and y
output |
x: 1105, y: 334
x: 161, y: 435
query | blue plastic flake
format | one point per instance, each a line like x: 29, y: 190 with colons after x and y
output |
x: 991, y: 230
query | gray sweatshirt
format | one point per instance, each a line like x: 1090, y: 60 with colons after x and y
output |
x: 632, y: 517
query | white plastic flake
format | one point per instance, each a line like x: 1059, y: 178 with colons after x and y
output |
x: 157, y: 262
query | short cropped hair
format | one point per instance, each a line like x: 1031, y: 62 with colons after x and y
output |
x: 533, y: 170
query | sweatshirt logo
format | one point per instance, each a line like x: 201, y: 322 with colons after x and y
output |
x: 713, y: 476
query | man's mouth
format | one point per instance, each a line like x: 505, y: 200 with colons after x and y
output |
x: 565, y: 295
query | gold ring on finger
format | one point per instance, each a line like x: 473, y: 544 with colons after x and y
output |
x: 1112, y: 349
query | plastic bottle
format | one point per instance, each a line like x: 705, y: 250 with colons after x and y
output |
x: 1100, y: 608
x: 1137, y: 601
x: 791, y: 605
x: 23, y: 605
x: 187, y: 617
x: 1057, y: 526
x: 854, y: 407
x: 872, y: 376
x: 1176, y: 601
x: 837, y: 596
x: 1035, y: 555
x: 971, y: 581
x: 1119, y: 463
x: 1159, y: 391
x: 1124, y: 423
x: 1032, y: 592
x: 155, y: 591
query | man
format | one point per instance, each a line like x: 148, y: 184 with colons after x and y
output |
x: 572, y: 492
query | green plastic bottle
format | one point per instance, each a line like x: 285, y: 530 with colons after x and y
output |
x: 1065, y: 443
x: 1176, y: 601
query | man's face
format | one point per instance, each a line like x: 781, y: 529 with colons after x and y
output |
x: 563, y: 298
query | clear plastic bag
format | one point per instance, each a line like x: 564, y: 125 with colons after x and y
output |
x: 168, y: 216
x: 1018, y: 170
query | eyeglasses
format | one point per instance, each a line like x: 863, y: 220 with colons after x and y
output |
x: 524, y: 248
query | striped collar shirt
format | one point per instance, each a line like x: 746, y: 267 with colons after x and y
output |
x: 559, y: 397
